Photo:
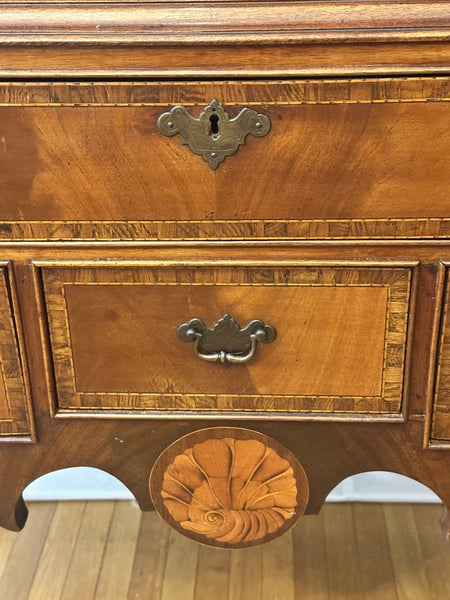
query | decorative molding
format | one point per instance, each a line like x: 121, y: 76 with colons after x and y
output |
x: 221, y: 22
x: 396, y: 280
x: 229, y: 487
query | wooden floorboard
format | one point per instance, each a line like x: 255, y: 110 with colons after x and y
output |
x: 115, y: 572
x: 342, y: 560
x: 435, y: 551
x: 310, y: 574
x: 90, y: 547
x: 278, y: 569
x: 57, y: 551
x: 180, y: 571
x: 407, y: 559
x: 245, y: 580
x: 374, y: 557
x: 21, y: 564
x: 112, y: 551
x: 147, y: 576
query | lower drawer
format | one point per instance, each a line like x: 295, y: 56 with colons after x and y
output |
x: 340, y: 345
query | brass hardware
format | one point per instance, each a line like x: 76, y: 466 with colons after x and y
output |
x: 214, y: 136
x: 226, y: 341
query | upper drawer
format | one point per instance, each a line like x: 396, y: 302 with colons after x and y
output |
x: 340, y: 344
x: 343, y: 159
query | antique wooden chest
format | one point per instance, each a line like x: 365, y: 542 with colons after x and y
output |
x: 225, y: 252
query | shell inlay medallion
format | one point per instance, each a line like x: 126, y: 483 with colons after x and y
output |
x: 229, y: 487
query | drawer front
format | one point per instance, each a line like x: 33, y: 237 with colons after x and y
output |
x: 15, y: 419
x: 440, y: 423
x: 343, y: 159
x: 340, y: 345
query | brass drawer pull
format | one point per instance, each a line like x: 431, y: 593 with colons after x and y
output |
x: 225, y: 341
x: 213, y: 136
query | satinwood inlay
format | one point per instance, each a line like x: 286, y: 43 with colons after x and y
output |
x: 229, y: 487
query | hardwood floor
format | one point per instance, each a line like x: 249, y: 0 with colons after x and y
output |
x: 112, y: 551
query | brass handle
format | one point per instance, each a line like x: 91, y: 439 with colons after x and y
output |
x: 213, y: 136
x: 226, y: 342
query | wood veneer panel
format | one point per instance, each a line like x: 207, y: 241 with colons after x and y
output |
x: 5, y: 413
x: 440, y: 425
x: 14, y: 399
x: 340, y: 347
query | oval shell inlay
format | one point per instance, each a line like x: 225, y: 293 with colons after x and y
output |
x: 229, y: 487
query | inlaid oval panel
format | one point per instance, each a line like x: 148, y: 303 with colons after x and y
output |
x: 229, y: 487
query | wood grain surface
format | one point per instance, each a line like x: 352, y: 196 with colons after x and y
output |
x: 353, y: 160
x: 15, y: 411
x: 440, y: 430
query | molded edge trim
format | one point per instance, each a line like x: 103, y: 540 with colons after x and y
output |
x: 222, y: 22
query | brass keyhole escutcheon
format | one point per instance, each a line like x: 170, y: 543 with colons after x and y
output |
x: 214, y: 135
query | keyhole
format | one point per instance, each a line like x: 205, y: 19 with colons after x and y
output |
x: 214, y: 129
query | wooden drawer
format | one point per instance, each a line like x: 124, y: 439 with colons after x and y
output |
x: 343, y: 159
x: 15, y: 413
x: 440, y: 422
x: 340, y: 346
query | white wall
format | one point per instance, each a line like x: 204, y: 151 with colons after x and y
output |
x: 92, y: 484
